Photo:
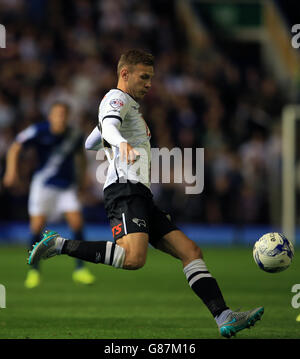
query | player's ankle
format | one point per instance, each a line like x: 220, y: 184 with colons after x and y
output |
x: 222, y: 316
x: 60, y: 242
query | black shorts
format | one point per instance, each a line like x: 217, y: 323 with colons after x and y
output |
x: 130, y: 209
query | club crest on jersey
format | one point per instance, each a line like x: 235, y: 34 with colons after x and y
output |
x: 139, y: 222
x: 116, y: 103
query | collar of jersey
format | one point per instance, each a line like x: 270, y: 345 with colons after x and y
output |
x: 126, y: 94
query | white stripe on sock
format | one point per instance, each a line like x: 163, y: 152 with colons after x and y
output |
x: 124, y: 223
x: 197, y: 265
x: 59, y: 244
x: 107, y: 252
x: 193, y: 270
x: 119, y: 257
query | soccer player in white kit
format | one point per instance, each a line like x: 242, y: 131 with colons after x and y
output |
x: 135, y: 219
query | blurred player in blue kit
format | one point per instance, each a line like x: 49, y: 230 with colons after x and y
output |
x: 56, y: 180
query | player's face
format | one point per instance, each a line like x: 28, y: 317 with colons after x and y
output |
x: 58, y: 118
x: 139, y: 80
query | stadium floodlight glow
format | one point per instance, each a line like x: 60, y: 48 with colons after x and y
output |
x: 290, y: 114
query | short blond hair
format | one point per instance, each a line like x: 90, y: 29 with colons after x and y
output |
x: 135, y: 57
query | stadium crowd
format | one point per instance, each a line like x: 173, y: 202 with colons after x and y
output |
x: 67, y: 50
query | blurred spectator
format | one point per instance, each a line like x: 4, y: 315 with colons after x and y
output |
x: 68, y: 50
x: 6, y: 113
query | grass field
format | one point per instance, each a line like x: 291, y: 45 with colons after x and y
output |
x: 153, y: 302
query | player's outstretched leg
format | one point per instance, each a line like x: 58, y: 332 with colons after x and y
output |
x: 53, y: 244
x: 205, y: 286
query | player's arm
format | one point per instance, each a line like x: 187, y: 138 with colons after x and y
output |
x: 94, y: 140
x: 25, y: 137
x: 111, y: 133
x: 112, y: 113
x: 11, y: 175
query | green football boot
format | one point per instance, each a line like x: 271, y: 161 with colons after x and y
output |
x: 237, y: 321
x: 49, y: 246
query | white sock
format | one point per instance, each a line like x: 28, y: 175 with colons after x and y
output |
x: 59, y: 244
x: 119, y: 257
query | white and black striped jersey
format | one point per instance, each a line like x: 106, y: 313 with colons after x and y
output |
x: 120, y: 120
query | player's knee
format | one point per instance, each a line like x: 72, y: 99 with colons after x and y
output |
x: 135, y: 251
x: 135, y: 262
x: 198, y: 252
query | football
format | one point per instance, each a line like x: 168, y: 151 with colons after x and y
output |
x: 273, y: 252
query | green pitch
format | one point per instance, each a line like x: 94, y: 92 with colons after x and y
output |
x: 153, y: 302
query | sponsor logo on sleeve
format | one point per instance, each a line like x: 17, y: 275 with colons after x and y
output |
x: 116, y: 103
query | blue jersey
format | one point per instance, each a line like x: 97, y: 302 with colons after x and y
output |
x: 55, y: 153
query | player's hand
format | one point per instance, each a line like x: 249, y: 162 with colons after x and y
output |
x: 128, y: 153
